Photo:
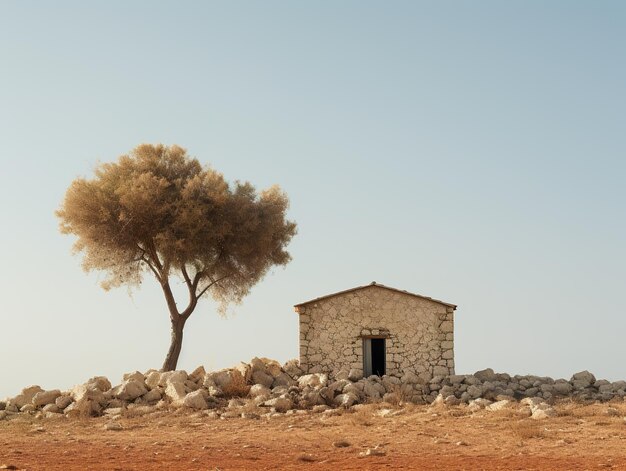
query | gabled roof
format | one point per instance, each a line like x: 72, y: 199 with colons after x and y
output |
x: 373, y: 283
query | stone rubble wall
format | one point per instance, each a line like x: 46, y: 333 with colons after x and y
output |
x: 264, y: 388
x: 419, y: 333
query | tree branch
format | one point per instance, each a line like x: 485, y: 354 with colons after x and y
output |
x: 186, y: 276
x: 156, y: 273
x: 211, y: 284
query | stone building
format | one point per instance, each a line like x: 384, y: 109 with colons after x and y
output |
x: 375, y: 329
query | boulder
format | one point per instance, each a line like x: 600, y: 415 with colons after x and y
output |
x: 355, y: 375
x: 292, y: 368
x: 196, y: 400
x: 478, y: 404
x: 283, y: 379
x: 486, y: 375
x: 474, y: 391
x: 154, y: 395
x: 496, y: 406
x: 259, y: 390
x: 25, y: 397
x: 346, y: 400
x: 230, y: 381
x: 177, y: 376
x: 135, y: 375
x: 63, y: 401
x: 409, y: 378
x: 261, y: 377
x: 281, y: 404
x: 539, y: 414
x: 175, y: 391
x: 51, y: 408
x: 314, y: 380
x: 272, y: 367
x: 153, y: 379
x: 131, y: 389
x: 101, y: 383
x: 197, y: 375
x: 582, y: 379
x: 43, y: 398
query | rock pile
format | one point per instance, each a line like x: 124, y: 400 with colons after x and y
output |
x: 263, y: 386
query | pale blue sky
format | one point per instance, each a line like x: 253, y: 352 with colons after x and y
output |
x: 469, y: 151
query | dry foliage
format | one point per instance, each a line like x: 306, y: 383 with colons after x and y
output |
x: 526, y: 429
x: 157, y: 210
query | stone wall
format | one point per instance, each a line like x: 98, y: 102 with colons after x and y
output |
x: 419, y: 332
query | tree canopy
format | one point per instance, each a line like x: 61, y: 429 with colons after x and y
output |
x: 157, y: 210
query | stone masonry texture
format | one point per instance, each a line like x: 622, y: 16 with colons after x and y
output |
x: 419, y: 332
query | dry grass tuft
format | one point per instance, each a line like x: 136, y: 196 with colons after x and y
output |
x: 526, y: 429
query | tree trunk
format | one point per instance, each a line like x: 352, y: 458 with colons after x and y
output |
x: 171, y: 360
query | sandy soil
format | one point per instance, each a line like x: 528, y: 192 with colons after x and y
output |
x: 579, y: 438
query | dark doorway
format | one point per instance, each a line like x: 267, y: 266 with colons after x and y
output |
x: 378, y: 357
x: 374, y: 357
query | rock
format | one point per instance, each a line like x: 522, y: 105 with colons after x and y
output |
x: 153, y: 379
x: 283, y: 379
x: 154, y: 395
x: 478, y: 404
x: 456, y: 379
x: 272, y: 367
x: 63, y: 401
x: 109, y: 411
x: 452, y: 400
x: 346, y: 400
x: 25, y: 397
x: 113, y: 426
x: 281, y: 404
x: 439, y: 401
x: 261, y: 377
x: 197, y: 375
x: 354, y: 375
x: 259, y: 390
x: 292, y: 368
x: 51, y: 408
x: 44, y: 398
x: 131, y: 388
x: 341, y: 444
x: 539, y: 414
x: 391, y: 383
x: 341, y: 375
x: 196, y: 400
x: 496, y: 406
x: 101, y: 383
x: 26, y: 408
x: 135, y: 375
x: 175, y: 391
x: 176, y: 376
x: 485, y: 375
x: 314, y: 380
x: 52, y: 415
x: 582, y: 379
x: 562, y: 388
x: 376, y: 451
x: 229, y: 382
x: 474, y: 391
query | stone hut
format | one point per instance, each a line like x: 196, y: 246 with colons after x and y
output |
x: 375, y: 329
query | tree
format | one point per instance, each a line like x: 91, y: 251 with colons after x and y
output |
x: 159, y: 211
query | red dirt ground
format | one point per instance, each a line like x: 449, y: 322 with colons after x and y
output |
x: 579, y: 438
